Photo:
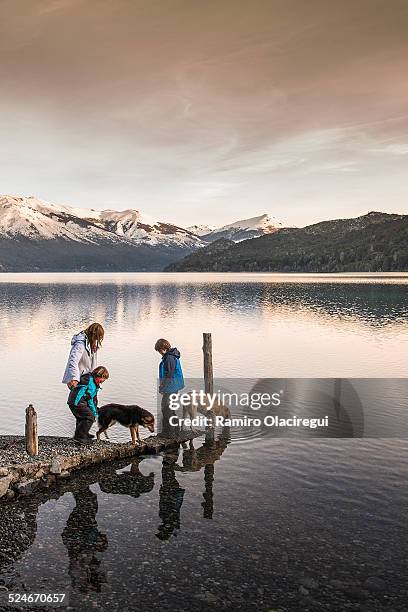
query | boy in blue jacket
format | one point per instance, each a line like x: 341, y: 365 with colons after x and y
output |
x: 171, y: 378
x: 83, y: 402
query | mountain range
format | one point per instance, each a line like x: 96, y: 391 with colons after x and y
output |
x: 374, y: 242
x: 239, y: 230
x: 36, y: 235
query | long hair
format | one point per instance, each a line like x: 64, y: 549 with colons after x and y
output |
x: 95, y: 334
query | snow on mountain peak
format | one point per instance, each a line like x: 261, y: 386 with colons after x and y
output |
x: 239, y: 230
x: 201, y: 230
x: 265, y: 222
x: 35, y: 219
x: 30, y: 217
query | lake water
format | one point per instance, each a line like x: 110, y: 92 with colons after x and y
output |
x: 255, y: 523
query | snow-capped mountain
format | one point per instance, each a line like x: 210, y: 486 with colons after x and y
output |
x: 244, y: 229
x: 39, y: 235
x: 201, y: 230
x: 37, y: 219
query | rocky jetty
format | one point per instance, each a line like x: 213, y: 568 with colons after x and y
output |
x: 21, y: 474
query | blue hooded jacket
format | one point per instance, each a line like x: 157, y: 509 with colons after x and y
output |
x: 85, y: 390
x: 170, y: 372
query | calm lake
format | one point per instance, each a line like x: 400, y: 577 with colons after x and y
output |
x: 255, y: 523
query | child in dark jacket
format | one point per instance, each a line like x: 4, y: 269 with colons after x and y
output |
x: 171, y: 378
x: 83, y: 402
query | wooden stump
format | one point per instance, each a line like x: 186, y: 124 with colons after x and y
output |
x: 31, y: 432
x: 208, y: 364
x: 208, y: 378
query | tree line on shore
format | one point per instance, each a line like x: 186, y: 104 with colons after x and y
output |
x: 376, y: 242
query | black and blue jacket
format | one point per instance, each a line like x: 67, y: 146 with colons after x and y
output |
x: 85, y: 391
x: 170, y: 372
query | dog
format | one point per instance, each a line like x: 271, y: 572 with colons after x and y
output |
x: 128, y: 416
x: 219, y: 409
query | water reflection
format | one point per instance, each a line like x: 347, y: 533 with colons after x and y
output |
x: 171, y: 497
x: 82, y: 537
x: 84, y: 543
x: 195, y: 459
x: 259, y: 329
x: 371, y: 303
x: 132, y: 483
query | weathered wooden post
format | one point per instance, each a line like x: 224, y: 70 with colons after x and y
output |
x: 208, y: 364
x: 208, y: 378
x: 31, y: 432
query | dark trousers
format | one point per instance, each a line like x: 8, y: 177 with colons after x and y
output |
x: 167, y: 429
x: 84, y: 420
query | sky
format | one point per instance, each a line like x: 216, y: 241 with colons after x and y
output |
x: 207, y: 111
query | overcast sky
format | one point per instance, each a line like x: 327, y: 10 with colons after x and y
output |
x: 207, y: 110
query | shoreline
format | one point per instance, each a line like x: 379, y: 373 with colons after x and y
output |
x: 58, y: 457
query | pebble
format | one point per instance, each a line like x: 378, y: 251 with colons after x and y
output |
x: 308, y: 582
x: 375, y: 584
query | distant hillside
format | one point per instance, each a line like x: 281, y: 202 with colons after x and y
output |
x: 371, y: 243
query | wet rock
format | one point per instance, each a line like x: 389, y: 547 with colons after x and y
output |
x: 308, y: 582
x: 337, y: 585
x: 355, y: 592
x: 375, y: 584
x: 27, y: 487
x: 210, y: 597
x: 55, y: 466
x: 50, y: 480
x: 4, y: 485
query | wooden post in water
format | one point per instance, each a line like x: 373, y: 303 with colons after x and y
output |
x: 208, y: 378
x: 208, y: 364
x: 31, y: 432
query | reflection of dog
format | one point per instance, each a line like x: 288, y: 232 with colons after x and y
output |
x: 132, y: 482
x: 128, y: 416
x: 218, y: 409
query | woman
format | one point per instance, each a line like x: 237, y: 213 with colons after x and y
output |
x: 83, y: 355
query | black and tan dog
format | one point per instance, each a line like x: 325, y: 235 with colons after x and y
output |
x: 128, y: 416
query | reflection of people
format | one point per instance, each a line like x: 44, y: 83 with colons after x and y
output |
x: 83, y: 355
x: 83, y: 541
x: 171, y: 380
x: 171, y: 498
x: 83, y: 402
